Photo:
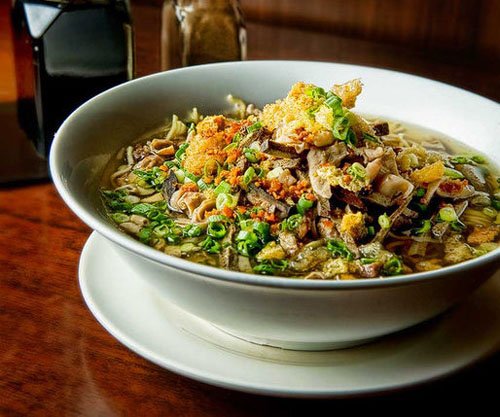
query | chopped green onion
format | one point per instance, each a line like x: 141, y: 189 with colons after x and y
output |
x: 304, y: 204
x: 249, y: 175
x: 202, y: 185
x: 350, y: 138
x: 189, y: 247
x: 173, y: 239
x: 335, y: 103
x: 225, y: 200
x: 243, y: 248
x: 247, y: 242
x: 154, y: 177
x: 264, y: 269
x: 495, y: 203
x: 180, y: 152
x: 216, y: 230
x: 253, y: 128
x: 246, y: 224
x: 370, y: 138
x: 217, y: 218
x: 270, y: 267
x: 223, y: 187
x: 171, y: 164
x: 384, y: 221
x: 422, y: 208
x: 338, y: 248
x: 210, y: 245
x: 357, y: 171
x: 179, y: 173
x: 192, y: 230
x: 251, y: 155
x: 458, y: 226
x: 262, y: 230
x: 236, y: 138
x: 191, y: 176
x: 420, y: 192
x: 315, y: 92
x: 249, y: 237
x: 143, y: 209
x: 367, y: 261
x: 453, y: 173
x: 424, y: 228
x: 119, y: 217
x: 490, y: 212
x: 115, y: 200
x: 464, y: 159
x: 312, y: 111
x: 340, y: 128
x: 292, y: 222
x: 230, y: 147
x: 447, y: 214
x: 371, y: 230
x: 145, y: 234
x: 393, y: 266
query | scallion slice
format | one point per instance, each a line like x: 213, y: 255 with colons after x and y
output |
x: 223, y: 187
x: 216, y: 230
x: 453, y: 173
x: 447, y: 214
x: 251, y: 155
x: 180, y: 152
x: 253, y: 128
x: 424, y: 228
x: 357, y: 171
x: 304, y: 204
x: 225, y: 200
x: 339, y: 249
x: 384, y: 221
x: 249, y: 175
x: 393, y: 266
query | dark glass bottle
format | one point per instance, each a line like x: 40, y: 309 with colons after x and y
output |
x: 67, y: 51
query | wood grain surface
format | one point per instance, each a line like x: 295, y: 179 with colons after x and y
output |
x: 56, y: 360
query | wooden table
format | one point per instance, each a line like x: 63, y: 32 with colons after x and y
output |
x: 55, y: 359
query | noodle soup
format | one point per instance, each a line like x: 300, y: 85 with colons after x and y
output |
x: 305, y: 188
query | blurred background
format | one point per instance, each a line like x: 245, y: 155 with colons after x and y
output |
x: 440, y: 39
x: 454, y: 41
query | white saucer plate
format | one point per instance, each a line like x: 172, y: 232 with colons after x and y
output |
x: 173, y: 339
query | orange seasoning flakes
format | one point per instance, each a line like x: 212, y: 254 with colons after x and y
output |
x: 301, y: 188
x: 189, y: 186
x: 212, y: 135
x: 263, y: 215
x: 228, y: 212
x: 233, y: 155
x: 213, y: 212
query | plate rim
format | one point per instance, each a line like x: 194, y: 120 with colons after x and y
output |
x: 235, y: 384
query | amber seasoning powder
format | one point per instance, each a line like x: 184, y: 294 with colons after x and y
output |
x: 201, y: 31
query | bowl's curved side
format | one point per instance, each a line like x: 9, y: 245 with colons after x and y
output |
x: 90, y: 137
x: 305, y: 320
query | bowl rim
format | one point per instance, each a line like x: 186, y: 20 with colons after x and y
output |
x: 137, y: 248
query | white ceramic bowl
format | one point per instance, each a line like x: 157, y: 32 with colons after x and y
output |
x: 289, y: 313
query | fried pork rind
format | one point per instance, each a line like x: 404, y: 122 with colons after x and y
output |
x: 348, y: 92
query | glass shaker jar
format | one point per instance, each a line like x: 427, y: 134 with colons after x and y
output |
x: 201, y: 31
